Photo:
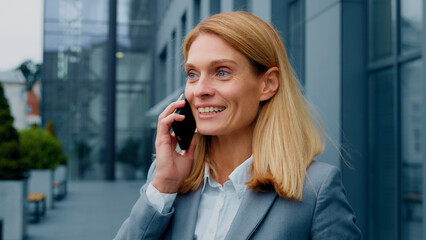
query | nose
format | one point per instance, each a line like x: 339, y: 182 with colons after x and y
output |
x: 203, y: 87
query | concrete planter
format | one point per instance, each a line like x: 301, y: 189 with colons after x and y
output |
x: 60, y: 173
x: 60, y: 176
x: 13, y: 208
x: 41, y: 181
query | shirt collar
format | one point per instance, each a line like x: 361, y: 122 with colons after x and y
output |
x: 238, y: 177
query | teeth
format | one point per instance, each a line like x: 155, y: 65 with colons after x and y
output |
x: 210, y: 110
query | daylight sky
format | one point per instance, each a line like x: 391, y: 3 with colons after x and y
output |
x: 21, y: 32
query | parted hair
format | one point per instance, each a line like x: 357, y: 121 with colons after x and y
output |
x: 285, y: 138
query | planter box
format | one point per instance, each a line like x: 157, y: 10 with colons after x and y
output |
x: 41, y: 181
x: 13, y: 208
x: 60, y: 176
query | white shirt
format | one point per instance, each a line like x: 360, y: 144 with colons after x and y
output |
x: 218, y: 205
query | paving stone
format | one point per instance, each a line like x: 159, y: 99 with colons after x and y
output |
x: 92, y: 210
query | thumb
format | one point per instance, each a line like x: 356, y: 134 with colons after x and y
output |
x: 192, y: 145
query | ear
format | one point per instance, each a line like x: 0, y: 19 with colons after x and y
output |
x: 270, y: 83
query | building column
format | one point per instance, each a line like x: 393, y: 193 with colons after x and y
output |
x: 110, y: 94
x: 423, y: 131
x: 354, y: 115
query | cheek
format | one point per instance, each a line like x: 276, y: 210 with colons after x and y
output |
x: 248, y: 94
x: 188, y: 93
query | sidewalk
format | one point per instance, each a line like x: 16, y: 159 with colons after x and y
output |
x: 90, y: 211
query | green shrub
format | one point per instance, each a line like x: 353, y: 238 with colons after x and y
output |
x: 12, y: 165
x: 42, y: 150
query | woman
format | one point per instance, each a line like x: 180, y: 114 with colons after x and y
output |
x: 249, y: 172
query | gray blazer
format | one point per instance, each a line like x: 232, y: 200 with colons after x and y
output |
x: 324, y: 213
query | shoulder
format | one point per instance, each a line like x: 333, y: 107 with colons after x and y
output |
x: 320, y: 170
x: 322, y: 175
x: 333, y: 217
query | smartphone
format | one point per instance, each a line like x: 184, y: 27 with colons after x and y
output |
x: 185, y: 129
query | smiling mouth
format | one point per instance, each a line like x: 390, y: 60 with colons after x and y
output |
x: 210, y: 110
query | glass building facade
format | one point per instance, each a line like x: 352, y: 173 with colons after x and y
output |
x: 395, y: 77
x: 75, y: 83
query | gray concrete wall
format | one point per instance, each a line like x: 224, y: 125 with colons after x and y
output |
x: 226, y: 5
x: 323, y: 69
x: 262, y: 9
x: 13, y: 208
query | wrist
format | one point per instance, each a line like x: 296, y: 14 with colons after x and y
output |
x: 165, y: 186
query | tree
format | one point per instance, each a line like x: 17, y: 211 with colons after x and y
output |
x: 42, y: 150
x: 12, y: 165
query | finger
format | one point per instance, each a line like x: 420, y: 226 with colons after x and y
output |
x: 165, y: 124
x: 171, y: 109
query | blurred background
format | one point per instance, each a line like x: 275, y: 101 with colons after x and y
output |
x: 102, y: 70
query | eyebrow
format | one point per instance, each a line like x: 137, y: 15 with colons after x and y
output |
x: 213, y: 63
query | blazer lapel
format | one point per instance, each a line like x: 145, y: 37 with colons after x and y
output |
x: 253, y: 209
x: 185, y: 216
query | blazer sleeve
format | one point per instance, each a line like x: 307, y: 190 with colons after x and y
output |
x: 333, y: 216
x: 144, y: 222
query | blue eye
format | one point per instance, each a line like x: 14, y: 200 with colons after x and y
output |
x: 222, y: 73
x: 191, y: 75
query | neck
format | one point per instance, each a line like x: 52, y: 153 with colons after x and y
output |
x: 228, y: 152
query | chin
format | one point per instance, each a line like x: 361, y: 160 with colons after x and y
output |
x: 207, y: 131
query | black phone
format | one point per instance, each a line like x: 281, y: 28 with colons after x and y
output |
x: 185, y: 129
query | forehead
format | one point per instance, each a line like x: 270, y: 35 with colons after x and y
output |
x: 210, y: 47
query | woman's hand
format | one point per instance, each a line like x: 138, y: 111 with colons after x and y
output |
x: 171, y: 167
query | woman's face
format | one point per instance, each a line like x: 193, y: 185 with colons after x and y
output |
x: 222, y: 88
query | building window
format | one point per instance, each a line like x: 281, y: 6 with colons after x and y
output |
x: 160, y: 92
x: 396, y: 160
x: 214, y: 6
x: 381, y: 29
x: 196, y: 12
x: 182, y: 37
x: 411, y: 25
x: 411, y: 155
x: 296, y: 39
x: 173, y: 61
x: 241, y: 5
x: 383, y: 162
x: 75, y: 52
x: 288, y: 19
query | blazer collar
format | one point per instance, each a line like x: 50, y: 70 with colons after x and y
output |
x: 252, y: 211
x: 185, y: 217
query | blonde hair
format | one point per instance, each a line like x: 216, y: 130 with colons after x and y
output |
x: 285, y: 137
